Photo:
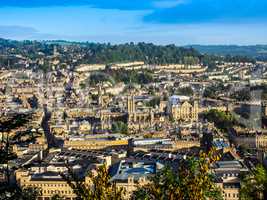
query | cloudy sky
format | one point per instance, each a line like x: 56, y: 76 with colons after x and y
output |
x: 117, y: 21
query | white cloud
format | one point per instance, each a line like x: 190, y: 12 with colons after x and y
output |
x: 117, y: 26
x: 168, y: 3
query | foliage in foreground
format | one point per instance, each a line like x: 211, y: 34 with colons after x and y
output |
x: 16, y: 193
x: 192, y: 181
x: 254, y: 186
x: 99, y: 188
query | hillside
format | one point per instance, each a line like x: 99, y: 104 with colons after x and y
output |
x: 258, y: 52
x: 40, y: 54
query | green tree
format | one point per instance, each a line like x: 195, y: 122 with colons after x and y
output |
x: 188, y: 91
x: 96, y: 78
x: 119, y: 127
x: 154, y: 102
x: 6, y: 126
x: 30, y: 193
x: 192, y: 181
x: 99, y: 186
x: 190, y: 60
x: 14, y: 192
x: 222, y: 120
x: 254, y: 186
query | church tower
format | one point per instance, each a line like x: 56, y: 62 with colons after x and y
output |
x: 131, y: 104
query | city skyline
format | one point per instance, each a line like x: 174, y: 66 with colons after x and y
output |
x: 181, y: 22
x: 133, y: 100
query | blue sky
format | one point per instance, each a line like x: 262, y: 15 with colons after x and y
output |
x: 118, y: 21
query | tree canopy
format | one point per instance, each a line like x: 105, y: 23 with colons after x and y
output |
x: 254, y: 185
x: 222, y: 120
x: 192, y: 180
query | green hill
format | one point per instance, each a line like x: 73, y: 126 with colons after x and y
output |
x: 258, y: 52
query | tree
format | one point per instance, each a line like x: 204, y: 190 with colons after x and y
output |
x: 14, y: 192
x: 119, y: 127
x: 242, y: 95
x: 7, y: 190
x: 6, y: 126
x: 96, y: 78
x: 254, y: 186
x: 192, y: 180
x: 29, y: 193
x: 185, y: 91
x: 99, y: 186
x: 190, y: 60
x: 213, y: 90
x: 154, y: 102
x: 222, y: 120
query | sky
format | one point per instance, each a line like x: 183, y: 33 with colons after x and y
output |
x: 180, y: 22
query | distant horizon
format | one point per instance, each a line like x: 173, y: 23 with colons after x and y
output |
x: 88, y: 41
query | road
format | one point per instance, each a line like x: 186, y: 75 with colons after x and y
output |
x: 51, y: 140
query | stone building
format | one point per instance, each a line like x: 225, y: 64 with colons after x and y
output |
x: 181, y: 108
x: 253, y: 139
x: 47, y: 176
x: 228, y: 174
x: 130, y: 174
x: 138, y: 119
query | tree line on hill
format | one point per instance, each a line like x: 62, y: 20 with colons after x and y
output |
x: 258, y: 52
x: 75, y: 53
x: 125, y: 76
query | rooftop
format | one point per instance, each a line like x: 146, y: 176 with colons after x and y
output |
x: 229, y: 164
x: 134, y: 169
